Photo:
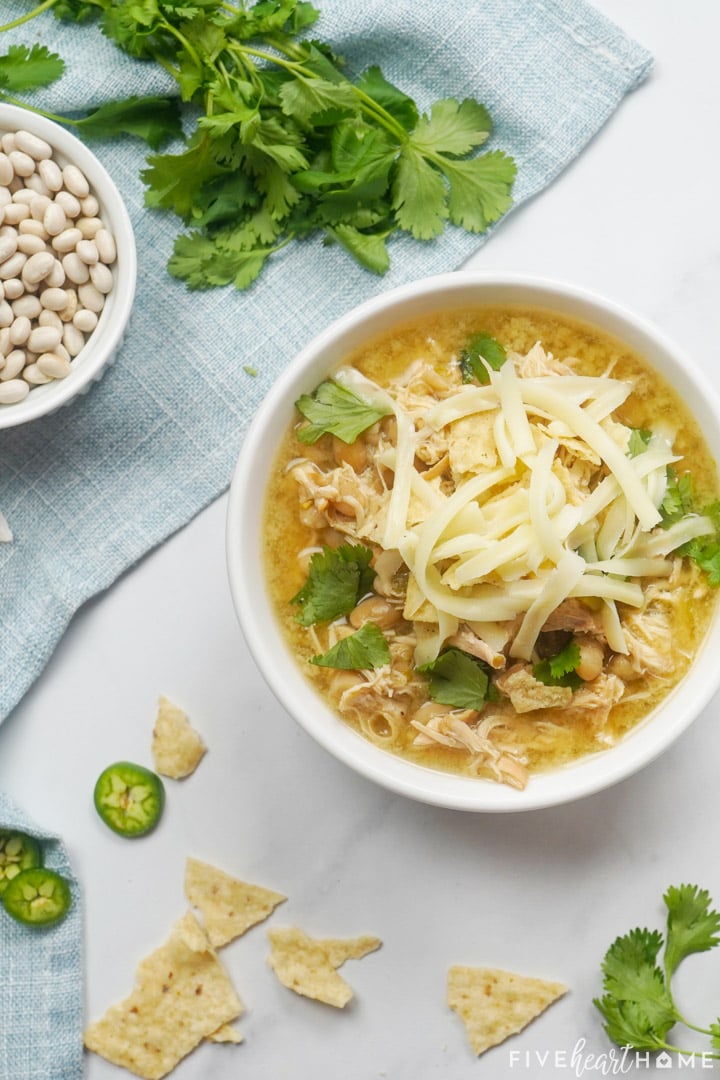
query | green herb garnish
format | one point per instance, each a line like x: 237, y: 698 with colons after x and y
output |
x: 639, y: 441
x: 336, y: 410
x: 337, y: 580
x: 638, y: 1005
x: 560, y: 670
x: 679, y: 498
x: 283, y: 144
x: 26, y: 69
x: 458, y: 679
x: 482, y: 350
x: 366, y: 648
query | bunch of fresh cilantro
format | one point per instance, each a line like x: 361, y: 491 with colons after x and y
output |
x: 638, y: 1005
x: 286, y: 144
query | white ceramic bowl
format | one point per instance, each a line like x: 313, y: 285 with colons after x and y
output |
x: 102, y: 344
x: 245, y: 558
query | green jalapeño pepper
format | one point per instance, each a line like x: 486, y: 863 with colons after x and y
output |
x: 18, y: 852
x: 37, y: 897
x: 129, y: 798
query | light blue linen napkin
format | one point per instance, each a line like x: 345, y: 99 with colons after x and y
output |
x: 41, y: 986
x: 90, y: 489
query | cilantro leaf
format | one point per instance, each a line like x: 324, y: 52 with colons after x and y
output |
x: 692, y: 926
x: 335, y: 409
x: 419, y: 197
x: 705, y: 551
x: 627, y: 1024
x: 23, y: 68
x: 479, y: 189
x: 155, y: 119
x: 369, y: 249
x: 678, y: 500
x: 481, y: 347
x: 393, y: 100
x: 632, y: 975
x: 366, y: 648
x: 452, y: 127
x: 559, y: 670
x: 458, y: 679
x: 305, y: 99
x: 638, y: 441
x: 337, y: 579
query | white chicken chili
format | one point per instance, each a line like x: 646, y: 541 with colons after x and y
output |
x: 486, y: 545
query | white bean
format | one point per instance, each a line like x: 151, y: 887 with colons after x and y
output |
x: 14, y: 363
x: 54, y: 299
x: 13, y: 391
x: 85, y: 320
x: 105, y: 242
x: 23, y: 164
x: 50, y: 318
x: 8, y: 245
x: 32, y: 145
x: 13, y: 288
x: 32, y: 228
x: 88, y: 252
x: 37, y: 267
x: 14, y: 213
x: 56, y: 276
x: 66, y: 241
x: 76, y: 270
x: 27, y: 305
x: 6, y: 170
x: 68, y: 312
x: 69, y: 204
x: 38, y: 185
x: 44, y: 339
x: 54, y: 365
x: 76, y: 182
x: 90, y: 297
x: 6, y: 314
x: 30, y: 244
x: 89, y: 206
x: 102, y: 277
x: 24, y: 195
x: 11, y: 267
x: 5, y: 343
x: 72, y: 339
x: 89, y: 226
x: 20, y: 330
x: 38, y: 207
x: 54, y: 219
x: 5, y: 195
x: 7, y: 141
x: 35, y: 376
x: 51, y: 174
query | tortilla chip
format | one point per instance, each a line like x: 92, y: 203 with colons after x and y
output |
x: 176, y: 746
x: 307, y: 965
x: 229, y: 907
x: 495, y: 1004
x: 182, y: 995
x: 226, y: 1034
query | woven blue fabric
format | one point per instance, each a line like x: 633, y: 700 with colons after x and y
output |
x: 41, y: 1006
x: 90, y: 489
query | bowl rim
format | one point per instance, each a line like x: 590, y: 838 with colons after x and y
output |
x: 107, y: 336
x: 260, y: 626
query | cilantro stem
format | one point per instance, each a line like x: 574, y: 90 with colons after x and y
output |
x: 190, y: 50
x: 29, y: 15
x: 39, y: 112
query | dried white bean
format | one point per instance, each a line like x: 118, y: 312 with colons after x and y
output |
x: 6, y: 314
x: 8, y: 245
x: 105, y: 242
x: 5, y: 194
x: 38, y: 185
x: 44, y: 339
x: 32, y: 145
x: 13, y: 288
x: 76, y: 181
x: 76, y: 270
x: 89, y: 226
x: 11, y: 267
x: 88, y: 252
x: 7, y: 141
x: 102, y: 277
x: 15, y: 213
x: 51, y: 174
x: 13, y: 391
x: 6, y: 170
x: 54, y: 299
x: 55, y: 219
x: 35, y: 376
x: 85, y: 320
x: 69, y: 204
x: 89, y: 206
x: 37, y: 267
x: 27, y: 305
x: 20, y: 330
x: 30, y: 244
x: 54, y: 365
x: 66, y: 241
x: 24, y: 195
x: 62, y: 352
x: 72, y: 339
x: 32, y: 228
x: 38, y: 207
x: 68, y: 312
x: 23, y: 165
x: 56, y: 277
x: 90, y: 297
x: 50, y: 318
x: 14, y: 363
x: 5, y: 343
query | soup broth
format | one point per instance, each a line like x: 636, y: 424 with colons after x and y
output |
x: 634, y: 644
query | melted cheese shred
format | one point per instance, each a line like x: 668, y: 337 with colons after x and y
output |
x: 513, y: 541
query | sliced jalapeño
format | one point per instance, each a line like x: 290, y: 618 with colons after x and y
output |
x: 37, y: 897
x: 129, y: 798
x: 18, y: 852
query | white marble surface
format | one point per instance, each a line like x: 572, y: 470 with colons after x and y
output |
x: 636, y: 217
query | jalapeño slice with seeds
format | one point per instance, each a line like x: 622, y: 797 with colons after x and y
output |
x: 18, y: 852
x: 129, y: 798
x: 37, y: 897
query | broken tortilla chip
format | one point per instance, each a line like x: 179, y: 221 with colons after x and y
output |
x: 307, y: 965
x: 229, y: 906
x: 495, y: 1004
x: 176, y: 746
x: 182, y: 995
x: 226, y: 1034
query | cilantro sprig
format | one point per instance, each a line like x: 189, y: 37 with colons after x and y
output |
x: 638, y: 1006
x: 459, y: 679
x: 366, y: 648
x: 679, y: 501
x: 337, y: 579
x: 481, y: 351
x: 560, y: 670
x: 282, y: 144
x: 333, y: 408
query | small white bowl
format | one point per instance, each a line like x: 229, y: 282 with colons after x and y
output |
x: 245, y: 546
x: 102, y: 344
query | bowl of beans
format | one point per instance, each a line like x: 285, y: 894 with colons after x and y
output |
x: 67, y: 267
